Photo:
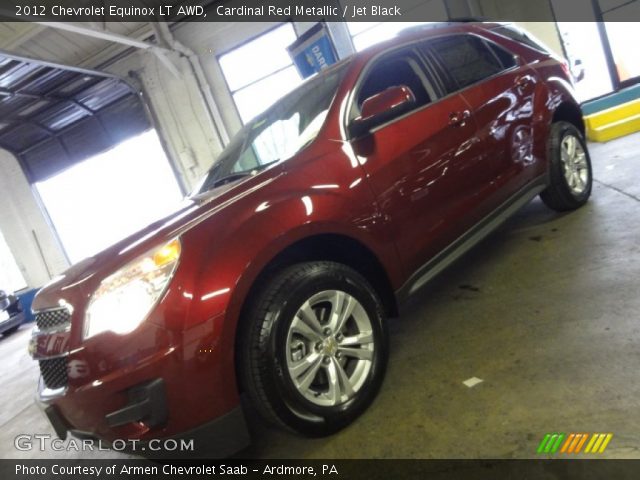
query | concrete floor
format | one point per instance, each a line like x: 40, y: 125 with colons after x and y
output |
x: 545, y: 312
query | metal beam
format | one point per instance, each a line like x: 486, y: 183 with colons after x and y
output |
x: 161, y: 52
x: 103, y: 35
x: 116, y: 51
x: 71, y: 68
x: 7, y: 92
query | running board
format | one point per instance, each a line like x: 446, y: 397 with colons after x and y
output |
x: 470, y: 238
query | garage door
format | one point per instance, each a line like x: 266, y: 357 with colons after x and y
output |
x: 52, y: 117
x: 85, y: 143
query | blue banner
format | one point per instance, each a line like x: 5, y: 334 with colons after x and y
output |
x: 313, y: 51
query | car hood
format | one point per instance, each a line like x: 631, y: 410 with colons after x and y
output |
x: 77, y: 283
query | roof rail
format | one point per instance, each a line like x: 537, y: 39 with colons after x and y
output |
x: 468, y: 19
x: 448, y: 23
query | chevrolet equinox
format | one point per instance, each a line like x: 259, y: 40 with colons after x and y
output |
x: 274, y: 281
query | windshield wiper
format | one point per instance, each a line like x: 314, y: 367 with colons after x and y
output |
x: 229, y: 178
x: 237, y: 176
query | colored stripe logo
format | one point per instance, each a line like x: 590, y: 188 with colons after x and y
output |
x: 574, y: 443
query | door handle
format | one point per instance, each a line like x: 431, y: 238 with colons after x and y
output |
x: 523, y: 82
x: 458, y: 119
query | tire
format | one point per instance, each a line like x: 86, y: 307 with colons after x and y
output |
x: 280, y: 347
x: 570, y: 173
x: 11, y: 330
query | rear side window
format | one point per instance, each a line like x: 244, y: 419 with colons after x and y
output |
x: 506, y: 58
x: 468, y: 59
x: 520, y: 37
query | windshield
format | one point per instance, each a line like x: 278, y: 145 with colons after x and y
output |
x: 287, y: 127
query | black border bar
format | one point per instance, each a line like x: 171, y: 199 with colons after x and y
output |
x: 538, y: 469
x: 309, y: 10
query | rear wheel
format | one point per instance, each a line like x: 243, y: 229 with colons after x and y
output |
x: 313, y: 350
x: 570, y: 174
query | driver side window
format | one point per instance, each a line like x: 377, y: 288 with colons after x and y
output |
x: 395, y: 70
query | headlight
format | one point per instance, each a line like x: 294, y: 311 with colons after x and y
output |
x: 123, y: 300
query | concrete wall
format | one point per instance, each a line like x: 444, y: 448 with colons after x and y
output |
x: 21, y: 217
x: 209, y: 41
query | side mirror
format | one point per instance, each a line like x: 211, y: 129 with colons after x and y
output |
x: 382, y: 108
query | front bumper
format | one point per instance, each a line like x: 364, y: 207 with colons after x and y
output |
x: 217, y: 438
x: 151, y: 384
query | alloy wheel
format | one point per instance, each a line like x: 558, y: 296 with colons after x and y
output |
x: 574, y: 164
x: 330, y: 348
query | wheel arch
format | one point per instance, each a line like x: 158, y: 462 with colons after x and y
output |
x: 335, y: 247
x: 338, y: 248
x: 569, y: 112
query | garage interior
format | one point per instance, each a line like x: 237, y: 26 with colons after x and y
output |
x: 543, y: 311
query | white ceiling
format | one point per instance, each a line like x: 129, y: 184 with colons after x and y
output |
x: 46, y: 43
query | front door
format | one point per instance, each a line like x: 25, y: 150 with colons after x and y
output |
x: 419, y: 165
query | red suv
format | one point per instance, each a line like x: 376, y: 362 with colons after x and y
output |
x: 273, y: 282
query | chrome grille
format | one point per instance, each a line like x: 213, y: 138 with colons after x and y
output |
x: 54, y: 372
x: 52, y: 318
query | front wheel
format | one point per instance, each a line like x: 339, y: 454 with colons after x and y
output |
x: 313, y: 349
x: 570, y: 173
x: 10, y: 330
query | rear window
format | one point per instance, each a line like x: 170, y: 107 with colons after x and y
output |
x: 520, y: 36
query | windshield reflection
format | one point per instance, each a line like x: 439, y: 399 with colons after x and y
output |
x: 283, y: 130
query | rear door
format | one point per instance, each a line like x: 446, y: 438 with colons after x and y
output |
x: 500, y: 92
x: 419, y: 165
